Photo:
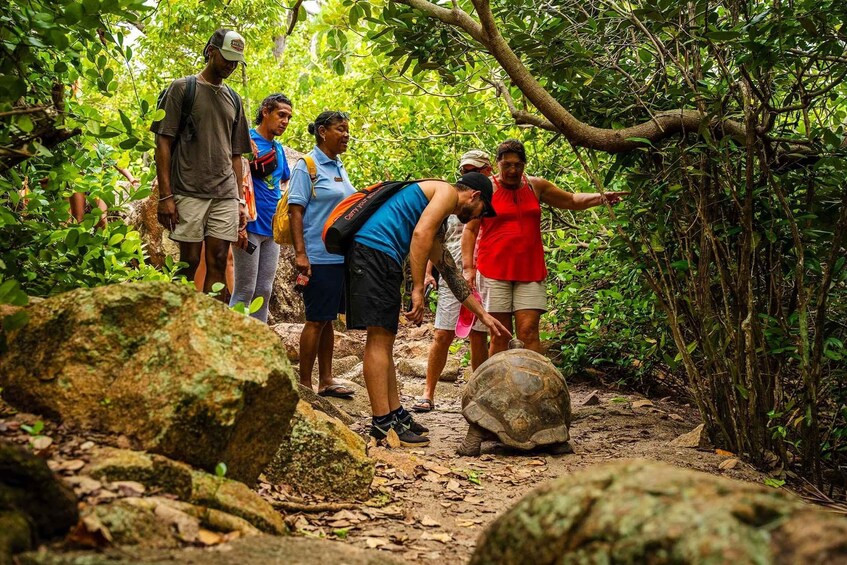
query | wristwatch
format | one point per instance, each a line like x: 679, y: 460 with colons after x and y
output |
x: 242, y: 202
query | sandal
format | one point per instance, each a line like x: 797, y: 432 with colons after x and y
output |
x: 337, y: 391
x: 423, y: 405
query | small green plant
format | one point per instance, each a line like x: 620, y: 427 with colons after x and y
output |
x: 474, y: 476
x: 254, y: 307
x: 34, y: 429
x: 216, y: 289
x: 774, y: 483
x: 341, y: 533
x: 220, y: 470
x: 107, y: 402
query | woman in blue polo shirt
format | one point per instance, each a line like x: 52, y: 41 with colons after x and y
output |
x: 254, y: 271
x: 309, y: 207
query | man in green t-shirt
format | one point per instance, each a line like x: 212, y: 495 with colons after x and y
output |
x: 198, y: 160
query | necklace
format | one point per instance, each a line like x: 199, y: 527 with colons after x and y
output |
x: 216, y: 87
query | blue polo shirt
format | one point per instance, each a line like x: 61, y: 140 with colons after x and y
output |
x: 331, y: 187
x: 267, y: 190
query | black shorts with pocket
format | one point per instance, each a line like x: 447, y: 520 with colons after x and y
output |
x: 373, y: 281
x: 323, y: 297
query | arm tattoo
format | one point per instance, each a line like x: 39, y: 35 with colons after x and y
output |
x: 447, y: 267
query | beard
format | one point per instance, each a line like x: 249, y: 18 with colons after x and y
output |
x: 466, y: 214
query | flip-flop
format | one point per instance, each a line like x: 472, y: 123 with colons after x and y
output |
x: 423, y: 405
x: 337, y: 391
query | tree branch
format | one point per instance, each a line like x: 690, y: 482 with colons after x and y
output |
x: 661, y: 126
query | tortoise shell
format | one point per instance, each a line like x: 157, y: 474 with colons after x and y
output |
x: 521, y: 397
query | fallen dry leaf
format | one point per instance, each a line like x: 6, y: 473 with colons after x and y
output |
x: 727, y: 464
x: 536, y: 463
x: 41, y: 443
x: 676, y: 417
x: 208, y: 537
x: 128, y: 488
x: 374, y: 543
x: 90, y: 532
x: 392, y: 439
x: 72, y: 465
x: 429, y: 522
x: 86, y: 445
x: 642, y: 403
x: 724, y: 453
x: 453, y: 486
x: 442, y: 537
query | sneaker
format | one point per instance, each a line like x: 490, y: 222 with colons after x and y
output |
x: 380, y: 432
x: 408, y: 438
x: 415, y: 426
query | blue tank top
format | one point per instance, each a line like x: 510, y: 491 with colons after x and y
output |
x: 390, y: 228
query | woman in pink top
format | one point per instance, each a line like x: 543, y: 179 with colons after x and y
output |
x: 511, y: 254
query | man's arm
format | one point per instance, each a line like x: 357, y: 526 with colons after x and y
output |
x: 443, y: 202
x: 239, y: 182
x: 552, y: 195
x: 443, y: 261
x: 469, y: 235
x: 166, y: 211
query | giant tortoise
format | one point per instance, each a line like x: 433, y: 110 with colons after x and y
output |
x: 519, y: 398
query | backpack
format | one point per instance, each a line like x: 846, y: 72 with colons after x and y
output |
x: 281, y: 220
x: 188, y: 104
x: 351, y: 214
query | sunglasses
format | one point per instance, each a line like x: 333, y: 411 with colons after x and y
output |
x: 332, y: 117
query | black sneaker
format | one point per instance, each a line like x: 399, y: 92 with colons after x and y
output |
x: 380, y: 432
x: 408, y: 438
x: 415, y: 426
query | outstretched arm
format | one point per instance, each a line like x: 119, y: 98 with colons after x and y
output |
x: 552, y: 195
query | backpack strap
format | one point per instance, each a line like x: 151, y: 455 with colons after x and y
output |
x: 236, y: 100
x: 313, y: 171
x: 187, y: 102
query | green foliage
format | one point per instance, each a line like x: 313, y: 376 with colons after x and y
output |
x: 35, y: 429
x: 220, y: 470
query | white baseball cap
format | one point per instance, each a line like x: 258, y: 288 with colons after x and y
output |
x: 475, y: 158
x: 229, y: 43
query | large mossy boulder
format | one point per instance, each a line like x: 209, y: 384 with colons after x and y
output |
x: 322, y: 457
x: 174, y: 370
x: 34, y: 505
x: 649, y: 512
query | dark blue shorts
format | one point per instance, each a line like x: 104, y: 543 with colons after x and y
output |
x: 373, y: 290
x: 324, y: 295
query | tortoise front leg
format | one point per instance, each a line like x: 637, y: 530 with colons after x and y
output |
x: 473, y: 441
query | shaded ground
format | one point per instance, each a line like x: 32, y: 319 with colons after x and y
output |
x: 430, y: 503
x: 440, y: 502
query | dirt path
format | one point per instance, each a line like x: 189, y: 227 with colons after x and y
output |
x: 430, y: 503
x: 433, y: 504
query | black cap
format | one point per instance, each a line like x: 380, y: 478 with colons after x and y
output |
x: 480, y: 182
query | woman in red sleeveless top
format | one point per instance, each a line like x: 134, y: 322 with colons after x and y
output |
x: 510, y: 255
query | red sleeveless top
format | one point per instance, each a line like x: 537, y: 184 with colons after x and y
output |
x: 510, y: 247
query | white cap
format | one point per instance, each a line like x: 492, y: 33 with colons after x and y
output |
x: 475, y: 158
x: 230, y: 43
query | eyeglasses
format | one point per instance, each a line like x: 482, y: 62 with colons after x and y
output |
x: 518, y: 165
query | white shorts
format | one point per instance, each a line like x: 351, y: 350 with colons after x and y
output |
x: 447, y: 311
x: 510, y: 296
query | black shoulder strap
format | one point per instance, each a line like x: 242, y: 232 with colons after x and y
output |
x: 236, y: 99
x: 187, y: 102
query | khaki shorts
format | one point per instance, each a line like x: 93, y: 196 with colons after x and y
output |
x: 447, y: 310
x: 508, y: 296
x: 202, y: 217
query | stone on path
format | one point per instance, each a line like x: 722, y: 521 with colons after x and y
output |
x: 322, y: 457
x: 345, y: 345
x: 34, y: 505
x: 416, y: 368
x: 694, y: 439
x: 592, y: 399
x: 324, y: 405
x: 158, y: 473
x: 175, y: 371
x: 648, y: 512
x: 255, y: 550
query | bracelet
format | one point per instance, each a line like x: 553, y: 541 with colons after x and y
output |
x: 162, y: 199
